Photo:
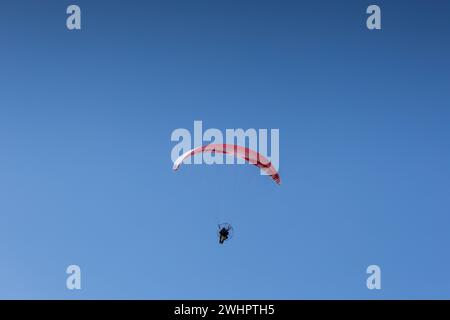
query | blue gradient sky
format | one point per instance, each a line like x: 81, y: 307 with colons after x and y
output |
x: 85, y: 168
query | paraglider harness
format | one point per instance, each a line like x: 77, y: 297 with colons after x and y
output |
x: 224, y: 232
x: 223, y: 235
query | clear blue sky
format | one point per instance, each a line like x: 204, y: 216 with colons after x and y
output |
x: 85, y: 168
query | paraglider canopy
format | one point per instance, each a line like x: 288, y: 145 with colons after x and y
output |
x: 247, y: 154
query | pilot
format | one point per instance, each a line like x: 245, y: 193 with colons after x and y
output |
x: 223, y: 235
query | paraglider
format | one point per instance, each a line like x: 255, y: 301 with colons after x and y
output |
x: 247, y: 154
x: 225, y: 231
